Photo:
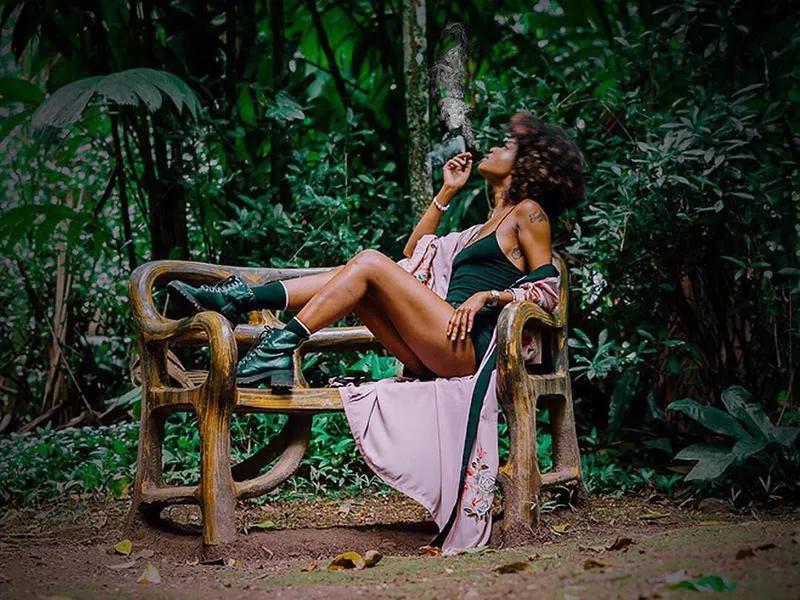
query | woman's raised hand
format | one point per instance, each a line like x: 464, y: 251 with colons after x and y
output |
x: 457, y: 170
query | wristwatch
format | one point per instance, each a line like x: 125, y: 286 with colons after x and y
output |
x: 495, y: 298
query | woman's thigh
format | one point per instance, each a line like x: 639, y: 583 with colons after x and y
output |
x: 419, y: 316
x: 386, y: 333
x: 301, y: 289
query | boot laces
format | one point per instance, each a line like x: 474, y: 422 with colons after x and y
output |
x: 225, y: 285
x: 261, y: 341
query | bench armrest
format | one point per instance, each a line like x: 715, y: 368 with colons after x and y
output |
x: 510, y: 323
x: 151, y: 323
x: 217, y: 331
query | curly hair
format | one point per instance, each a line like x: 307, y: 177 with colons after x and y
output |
x: 548, y: 167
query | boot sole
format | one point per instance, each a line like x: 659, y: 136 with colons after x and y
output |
x: 283, y: 380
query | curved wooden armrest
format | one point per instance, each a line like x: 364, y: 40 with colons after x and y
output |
x: 511, y: 371
x: 215, y: 328
x: 151, y: 323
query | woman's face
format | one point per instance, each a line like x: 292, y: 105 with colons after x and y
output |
x: 498, y: 162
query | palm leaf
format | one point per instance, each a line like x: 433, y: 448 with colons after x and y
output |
x: 126, y: 88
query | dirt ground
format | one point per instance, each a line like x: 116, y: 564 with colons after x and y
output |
x: 66, y: 550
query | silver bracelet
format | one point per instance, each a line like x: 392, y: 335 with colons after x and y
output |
x: 495, y: 298
x: 439, y: 206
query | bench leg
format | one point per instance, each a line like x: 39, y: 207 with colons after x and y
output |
x: 520, y: 476
x: 148, y: 468
x: 566, y: 455
x: 217, y: 489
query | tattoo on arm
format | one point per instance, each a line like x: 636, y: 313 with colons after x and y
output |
x: 537, y: 216
x: 516, y: 252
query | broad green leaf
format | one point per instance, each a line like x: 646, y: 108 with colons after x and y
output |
x: 285, y: 109
x: 786, y: 436
x: 710, y: 468
x: 65, y: 105
x: 13, y: 89
x: 747, y: 447
x: 740, y: 404
x: 710, y: 417
x: 701, y: 451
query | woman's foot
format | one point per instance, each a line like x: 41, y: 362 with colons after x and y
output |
x: 270, y: 358
x: 231, y: 297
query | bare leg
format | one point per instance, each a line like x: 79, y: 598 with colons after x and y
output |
x: 301, y: 289
x: 416, y: 312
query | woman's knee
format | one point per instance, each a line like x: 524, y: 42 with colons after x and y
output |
x: 370, y: 259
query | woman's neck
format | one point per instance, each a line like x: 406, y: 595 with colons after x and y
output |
x: 502, y: 201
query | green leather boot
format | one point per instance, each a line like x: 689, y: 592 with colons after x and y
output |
x: 270, y: 358
x: 226, y: 297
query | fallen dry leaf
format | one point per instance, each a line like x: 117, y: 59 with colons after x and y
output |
x: 232, y: 562
x: 372, y: 558
x: 265, y: 524
x: 538, y: 556
x: 652, y: 515
x: 560, y: 528
x: 591, y: 563
x: 514, y: 567
x: 346, y: 560
x: 621, y: 543
x: 312, y: 566
x: 430, y: 550
x: 150, y: 574
x: 124, y: 547
x: 142, y: 554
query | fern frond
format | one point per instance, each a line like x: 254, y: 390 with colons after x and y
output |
x: 126, y: 88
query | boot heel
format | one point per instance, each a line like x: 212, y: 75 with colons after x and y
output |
x: 282, y: 379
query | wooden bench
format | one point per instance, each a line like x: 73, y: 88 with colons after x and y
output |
x: 213, y: 397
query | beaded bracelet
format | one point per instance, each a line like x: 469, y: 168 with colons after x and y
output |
x: 439, y: 206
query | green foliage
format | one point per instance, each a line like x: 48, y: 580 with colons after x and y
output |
x: 756, y: 437
x: 684, y: 257
x: 65, y: 106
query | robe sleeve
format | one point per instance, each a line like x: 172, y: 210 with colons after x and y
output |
x: 543, y: 292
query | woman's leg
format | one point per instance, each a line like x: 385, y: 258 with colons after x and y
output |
x: 418, y: 315
x: 301, y: 289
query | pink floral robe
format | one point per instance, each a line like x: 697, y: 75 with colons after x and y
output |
x: 412, y: 433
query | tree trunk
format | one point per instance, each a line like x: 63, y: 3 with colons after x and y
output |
x: 415, y: 71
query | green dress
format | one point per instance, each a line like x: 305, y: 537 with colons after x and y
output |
x: 479, y: 267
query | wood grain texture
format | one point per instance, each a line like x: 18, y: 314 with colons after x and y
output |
x: 213, y: 397
x: 519, y: 394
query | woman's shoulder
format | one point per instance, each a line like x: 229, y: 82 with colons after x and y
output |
x: 530, y: 214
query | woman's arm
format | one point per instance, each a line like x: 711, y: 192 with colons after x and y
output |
x: 456, y: 172
x: 430, y: 220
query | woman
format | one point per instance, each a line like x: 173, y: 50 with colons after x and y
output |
x: 534, y: 176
